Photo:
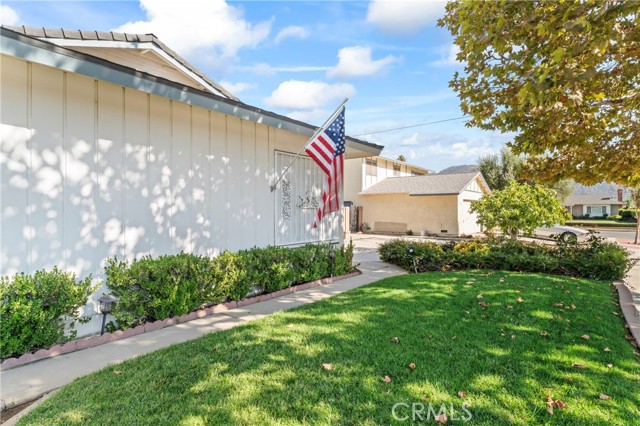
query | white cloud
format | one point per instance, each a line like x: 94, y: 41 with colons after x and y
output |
x: 448, y: 57
x: 292, y: 31
x: 8, y: 16
x: 414, y: 139
x: 356, y: 62
x: 188, y: 26
x: 308, y: 95
x: 236, y: 88
x: 266, y: 69
x: 404, y: 17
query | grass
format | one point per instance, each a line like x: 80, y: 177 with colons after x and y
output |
x: 507, y: 357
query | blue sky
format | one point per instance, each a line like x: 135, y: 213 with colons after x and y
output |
x: 302, y: 58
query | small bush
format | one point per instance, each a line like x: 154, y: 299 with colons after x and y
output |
x: 627, y: 214
x: 35, y: 307
x: 595, y: 259
x: 150, y: 289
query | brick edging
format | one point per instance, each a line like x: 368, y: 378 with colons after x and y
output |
x: 91, y: 341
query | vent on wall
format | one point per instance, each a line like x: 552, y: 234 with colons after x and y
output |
x: 444, y: 231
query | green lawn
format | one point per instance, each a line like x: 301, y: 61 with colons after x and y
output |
x: 507, y: 357
x: 600, y: 222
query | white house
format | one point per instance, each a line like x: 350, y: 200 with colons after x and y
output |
x: 113, y: 145
x: 361, y: 173
x: 431, y: 204
x: 593, y: 205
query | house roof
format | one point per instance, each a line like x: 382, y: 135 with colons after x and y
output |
x: 130, y: 50
x: 413, y: 166
x: 598, y: 199
x: 42, y: 50
x: 452, y: 184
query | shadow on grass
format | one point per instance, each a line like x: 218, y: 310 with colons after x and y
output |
x: 506, y: 356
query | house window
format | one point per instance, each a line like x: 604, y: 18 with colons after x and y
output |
x: 596, y: 211
x: 396, y: 169
x: 371, y: 168
x: 414, y: 173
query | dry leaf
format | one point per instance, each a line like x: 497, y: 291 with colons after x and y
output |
x: 576, y: 365
x: 605, y: 397
x: 462, y: 394
x: 425, y: 398
x: 567, y: 292
x: 395, y: 340
x: 483, y: 304
x: 585, y: 337
x: 501, y: 280
x: 558, y: 305
x: 609, y: 365
x: 327, y: 366
x: 479, y: 296
x: 519, y: 299
x: 607, y: 350
x: 454, y: 337
x: 569, y: 379
x: 573, y: 306
x: 441, y: 418
x: 544, y: 333
x: 561, y: 404
x: 412, y: 366
x: 117, y: 372
x: 470, y: 282
x: 513, y: 337
x: 387, y: 379
x: 509, y: 307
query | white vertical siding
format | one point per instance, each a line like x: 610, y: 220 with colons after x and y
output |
x: 91, y: 170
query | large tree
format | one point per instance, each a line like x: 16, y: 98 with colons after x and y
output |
x: 500, y: 169
x: 563, y: 76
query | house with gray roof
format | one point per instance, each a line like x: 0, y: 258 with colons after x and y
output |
x: 597, y: 205
x: 430, y: 204
x: 114, y: 145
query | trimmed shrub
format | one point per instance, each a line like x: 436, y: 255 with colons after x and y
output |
x: 627, y: 214
x: 35, y: 309
x: 595, y: 259
x: 150, y: 289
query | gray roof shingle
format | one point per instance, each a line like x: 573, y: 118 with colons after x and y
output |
x: 597, y: 199
x: 423, y: 185
x: 113, y: 36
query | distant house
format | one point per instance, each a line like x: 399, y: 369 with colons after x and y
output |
x: 362, y: 173
x: 593, y: 205
x: 431, y: 204
x: 113, y: 145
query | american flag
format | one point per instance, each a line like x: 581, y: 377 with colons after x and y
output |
x: 327, y: 150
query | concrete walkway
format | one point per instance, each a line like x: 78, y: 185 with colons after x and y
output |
x: 28, y: 382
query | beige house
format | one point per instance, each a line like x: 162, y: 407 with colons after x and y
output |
x: 593, y: 205
x: 362, y: 173
x: 113, y: 145
x: 431, y: 204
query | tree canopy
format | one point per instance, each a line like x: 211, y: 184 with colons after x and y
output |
x: 563, y: 76
x: 519, y: 207
x: 500, y: 169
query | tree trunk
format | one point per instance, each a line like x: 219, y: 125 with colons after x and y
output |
x: 637, y: 222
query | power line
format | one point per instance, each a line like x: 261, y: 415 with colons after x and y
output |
x: 408, y: 127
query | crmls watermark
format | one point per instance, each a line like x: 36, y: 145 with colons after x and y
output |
x: 418, y: 412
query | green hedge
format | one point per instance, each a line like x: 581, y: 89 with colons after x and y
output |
x: 595, y: 259
x: 151, y: 289
x: 627, y: 214
x: 34, y: 309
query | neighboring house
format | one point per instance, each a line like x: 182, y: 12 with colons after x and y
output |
x: 113, y: 145
x: 593, y: 205
x: 361, y: 173
x: 431, y: 204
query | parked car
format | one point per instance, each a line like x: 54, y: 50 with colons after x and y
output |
x: 567, y: 234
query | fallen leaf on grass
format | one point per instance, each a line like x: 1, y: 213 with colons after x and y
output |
x: 519, y: 299
x: 607, y: 350
x: 412, y: 366
x: 479, y: 296
x: 513, y: 337
x: 327, y: 366
x: 544, y: 333
x: 558, y: 305
x: 509, y: 307
x: 573, y: 306
x: 585, y: 337
x: 462, y: 394
x: 569, y: 379
x: 609, y: 365
x: 483, y: 304
x: 470, y: 282
x: 605, y: 397
x: 561, y: 404
x: 576, y: 365
x: 557, y: 403
x: 441, y: 418
x: 117, y: 372
x: 567, y: 292
x: 395, y: 340
x: 425, y: 398
x: 454, y: 337
x: 387, y: 379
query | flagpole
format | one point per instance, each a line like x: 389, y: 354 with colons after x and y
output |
x: 320, y: 130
